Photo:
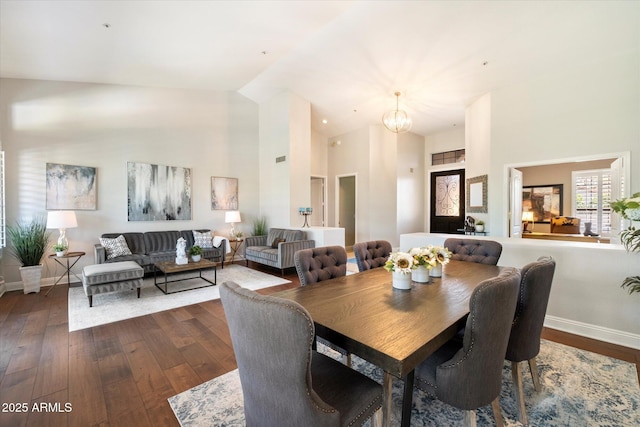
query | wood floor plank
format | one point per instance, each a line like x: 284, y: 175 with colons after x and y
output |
x: 54, y: 362
x: 203, y: 363
x: 85, y: 383
x: 176, y: 332
x: 182, y: 377
x: 151, y: 382
x: 125, y: 407
x: 52, y: 410
x: 165, y: 352
x: 16, y: 388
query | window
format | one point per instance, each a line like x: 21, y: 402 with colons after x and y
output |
x: 591, y: 198
x: 456, y: 156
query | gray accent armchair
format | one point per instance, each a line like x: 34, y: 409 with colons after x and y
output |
x: 524, y: 342
x: 277, y: 248
x: 284, y: 382
x: 371, y: 254
x: 474, y: 250
x: 468, y: 375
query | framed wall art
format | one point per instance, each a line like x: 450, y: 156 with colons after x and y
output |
x: 158, y: 193
x: 545, y: 201
x: 71, y: 187
x: 224, y: 193
x: 477, y: 194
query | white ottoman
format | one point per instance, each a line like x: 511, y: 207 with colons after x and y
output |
x: 111, y: 277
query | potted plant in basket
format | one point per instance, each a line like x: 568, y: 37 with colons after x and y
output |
x: 29, y: 241
x: 59, y: 249
x: 196, y: 253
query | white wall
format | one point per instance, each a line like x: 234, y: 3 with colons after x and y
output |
x: 586, y: 297
x: 105, y: 126
x: 411, y: 191
x: 562, y: 115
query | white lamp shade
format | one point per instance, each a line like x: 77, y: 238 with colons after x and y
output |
x: 232, y: 217
x: 527, y: 216
x: 61, y: 219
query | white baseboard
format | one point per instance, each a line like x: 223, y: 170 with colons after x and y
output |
x: 46, y: 281
x: 595, y: 332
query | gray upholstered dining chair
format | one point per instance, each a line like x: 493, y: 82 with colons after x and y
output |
x: 321, y: 263
x: 284, y: 382
x: 318, y: 264
x: 468, y: 374
x: 474, y: 250
x: 524, y: 341
x: 371, y: 254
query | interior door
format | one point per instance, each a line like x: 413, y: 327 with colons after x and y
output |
x: 447, y: 202
x: 515, y: 202
x: 347, y: 208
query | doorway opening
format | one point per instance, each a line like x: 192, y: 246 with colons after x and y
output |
x: 346, y: 208
x: 318, y: 204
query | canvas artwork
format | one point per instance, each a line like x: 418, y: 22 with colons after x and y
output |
x: 224, y: 193
x: 158, y: 193
x: 545, y: 201
x: 71, y: 187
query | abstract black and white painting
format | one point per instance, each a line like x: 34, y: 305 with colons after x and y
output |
x: 158, y: 193
x: 71, y: 187
x: 224, y: 193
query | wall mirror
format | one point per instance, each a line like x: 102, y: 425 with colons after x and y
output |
x: 477, y: 194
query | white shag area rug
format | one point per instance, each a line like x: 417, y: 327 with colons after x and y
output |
x: 123, y: 305
x: 579, y: 388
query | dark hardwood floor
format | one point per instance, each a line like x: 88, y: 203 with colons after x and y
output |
x: 122, y: 374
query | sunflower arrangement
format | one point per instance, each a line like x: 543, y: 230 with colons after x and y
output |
x: 402, y: 262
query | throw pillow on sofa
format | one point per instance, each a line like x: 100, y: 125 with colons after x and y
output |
x: 204, y: 240
x: 115, y: 247
x: 276, y: 241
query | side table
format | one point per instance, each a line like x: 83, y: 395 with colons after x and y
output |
x: 235, y: 245
x: 71, y: 259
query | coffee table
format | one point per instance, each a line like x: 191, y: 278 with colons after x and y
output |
x: 170, y: 267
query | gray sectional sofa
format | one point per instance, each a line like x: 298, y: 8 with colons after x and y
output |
x: 154, y: 246
x: 276, y: 249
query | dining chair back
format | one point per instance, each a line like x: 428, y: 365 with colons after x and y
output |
x: 468, y: 374
x: 284, y: 382
x: 474, y: 250
x: 371, y: 254
x: 321, y: 263
x: 531, y: 308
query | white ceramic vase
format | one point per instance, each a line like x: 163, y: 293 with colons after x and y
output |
x: 436, y: 271
x: 196, y: 258
x: 401, y: 280
x: 31, y: 278
x: 420, y: 274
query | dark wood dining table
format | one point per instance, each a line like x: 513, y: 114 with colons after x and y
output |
x: 391, y: 328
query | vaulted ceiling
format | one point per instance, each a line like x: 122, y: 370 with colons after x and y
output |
x: 346, y: 57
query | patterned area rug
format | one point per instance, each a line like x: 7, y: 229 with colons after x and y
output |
x: 579, y: 388
x: 117, y: 306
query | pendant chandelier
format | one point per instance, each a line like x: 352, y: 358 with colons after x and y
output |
x: 397, y: 121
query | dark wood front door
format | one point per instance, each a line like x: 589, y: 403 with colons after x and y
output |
x: 447, y: 202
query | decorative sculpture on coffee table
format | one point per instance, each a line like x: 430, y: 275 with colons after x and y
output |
x: 181, y: 252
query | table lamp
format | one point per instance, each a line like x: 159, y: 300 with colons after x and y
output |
x: 62, y: 220
x: 527, y: 217
x: 231, y: 217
